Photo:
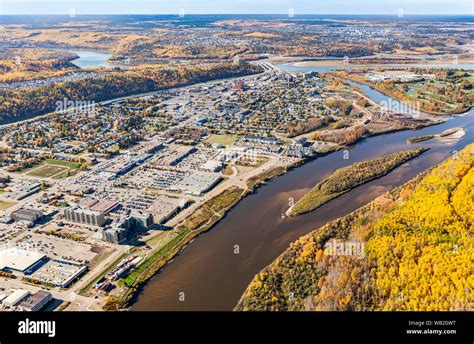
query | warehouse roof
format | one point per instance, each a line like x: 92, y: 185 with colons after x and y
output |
x: 18, y: 259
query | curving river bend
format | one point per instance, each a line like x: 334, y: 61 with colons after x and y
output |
x: 90, y: 59
x: 213, y: 278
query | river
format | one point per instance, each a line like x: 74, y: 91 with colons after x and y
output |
x: 90, y: 59
x: 209, y: 274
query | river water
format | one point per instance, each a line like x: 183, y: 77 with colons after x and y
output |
x: 90, y: 59
x: 212, y: 277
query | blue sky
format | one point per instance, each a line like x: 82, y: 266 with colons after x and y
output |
x: 245, y: 6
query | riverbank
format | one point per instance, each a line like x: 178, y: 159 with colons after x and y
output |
x: 253, y: 184
x: 256, y: 223
x: 388, y: 257
x: 203, y: 219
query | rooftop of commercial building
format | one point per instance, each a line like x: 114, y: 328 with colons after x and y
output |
x: 104, y: 206
x: 84, y: 211
x: 164, y: 206
x: 28, y: 212
x: 18, y: 259
x: 34, y: 299
x: 197, y: 182
x: 15, y: 297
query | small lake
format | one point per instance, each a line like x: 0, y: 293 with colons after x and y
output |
x: 91, y: 59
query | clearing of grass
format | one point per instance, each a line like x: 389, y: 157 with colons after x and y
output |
x: 223, y: 201
x: 199, y: 218
x: 157, y: 254
x: 47, y: 171
x: 6, y: 204
x: 252, y: 162
x: 65, y: 163
x: 347, y: 178
x: 54, y: 168
x: 225, y: 140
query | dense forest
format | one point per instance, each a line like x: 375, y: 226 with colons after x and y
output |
x: 35, y: 101
x: 418, y: 251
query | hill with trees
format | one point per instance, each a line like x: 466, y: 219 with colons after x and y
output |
x: 17, y: 103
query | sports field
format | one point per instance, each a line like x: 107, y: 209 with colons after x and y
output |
x: 54, y: 168
x: 6, y: 204
x: 46, y: 171
x: 225, y: 140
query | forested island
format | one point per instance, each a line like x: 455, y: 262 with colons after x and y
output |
x: 347, y: 178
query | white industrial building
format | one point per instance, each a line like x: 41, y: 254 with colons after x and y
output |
x: 15, y: 298
x: 14, y: 259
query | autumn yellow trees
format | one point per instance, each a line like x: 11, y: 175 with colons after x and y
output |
x: 419, y: 252
x: 35, y: 101
x: 423, y: 249
x: 342, y: 136
x: 463, y: 199
x: 449, y: 92
x: 347, y: 178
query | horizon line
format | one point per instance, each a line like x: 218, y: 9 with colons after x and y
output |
x: 269, y: 14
